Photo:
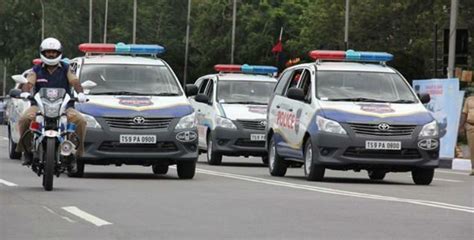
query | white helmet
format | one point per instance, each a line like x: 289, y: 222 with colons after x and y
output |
x: 51, y: 44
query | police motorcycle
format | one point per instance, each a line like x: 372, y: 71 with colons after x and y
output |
x: 54, y: 140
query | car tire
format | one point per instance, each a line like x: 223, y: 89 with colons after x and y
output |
x: 12, y: 147
x: 422, y: 176
x: 313, y: 172
x: 265, y: 159
x: 276, y: 164
x: 160, y: 168
x: 79, y: 169
x: 376, y: 174
x: 186, y: 170
x: 213, y: 158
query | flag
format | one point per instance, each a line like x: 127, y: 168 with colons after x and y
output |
x: 278, y: 47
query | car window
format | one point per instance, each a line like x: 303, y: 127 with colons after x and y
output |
x: 282, y: 82
x: 210, y: 90
x: 305, y: 84
x: 294, y: 79
x: 244, y: 91
x: 142, y: 79
x: 202, y: 86
x: 386, y: 87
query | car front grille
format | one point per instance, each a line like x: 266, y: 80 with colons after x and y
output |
x: 243, y: 142
x: 253, y: 124
x: 373, y: 129
x: 110, y: 146
x: 129, y: 123
x: 405, y: 153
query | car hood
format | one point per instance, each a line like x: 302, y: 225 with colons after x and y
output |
x: 351, y: 112
x: 146, y: 106
x: 244, y: 111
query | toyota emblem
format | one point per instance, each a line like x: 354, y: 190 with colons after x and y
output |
x: 139, y: 120
x: 263, y: 123
x: 384, y: 127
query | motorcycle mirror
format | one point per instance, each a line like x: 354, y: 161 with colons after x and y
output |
x: 19, y: 79
x: 88, y: 84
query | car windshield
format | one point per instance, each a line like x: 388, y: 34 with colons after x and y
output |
x: 122, y: 79
x: 363, y: 87
x: 244, y: 92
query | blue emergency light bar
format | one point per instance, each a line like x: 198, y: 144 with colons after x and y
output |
x: 351, y: 55
x: 122, y: 48
x: 251, y: 69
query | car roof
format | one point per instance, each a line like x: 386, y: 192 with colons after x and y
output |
x: 354, y: 66
x: 122, y: 59
x: 244, y: 77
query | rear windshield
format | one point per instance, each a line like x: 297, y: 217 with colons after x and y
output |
x: 134, y: 79
x: 363, y: 86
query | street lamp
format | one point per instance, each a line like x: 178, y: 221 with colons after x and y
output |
x: 42, y: 20
x: 186, y: 51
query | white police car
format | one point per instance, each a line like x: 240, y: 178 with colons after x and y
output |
x: 350, y: 113
x: 232, y: 110
x: 137, y: 112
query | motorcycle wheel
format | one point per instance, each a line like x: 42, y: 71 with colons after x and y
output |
x: 49, y: 162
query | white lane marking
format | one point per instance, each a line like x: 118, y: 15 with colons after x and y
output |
x: 5, y: 138
x: 10, y: 184
x: 452, y: 172
x: 446, y: 180
x: 63, y: 217
x: 86, y: 216
x: 340, y: 192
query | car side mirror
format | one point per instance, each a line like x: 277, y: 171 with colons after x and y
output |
x: 202, y: 98
x: 296, y: 94
x: 20, y: 79
x: 14, y: 93
x: 191, y: 90
x: 424, y: 97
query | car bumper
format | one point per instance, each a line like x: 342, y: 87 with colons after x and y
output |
x: 103, y: 147
x: 349, y: 152
x: 237, y: 142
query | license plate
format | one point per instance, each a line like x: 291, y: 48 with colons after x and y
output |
x: 257, y: 137
x: 142, y: 139
x: 383, y: 145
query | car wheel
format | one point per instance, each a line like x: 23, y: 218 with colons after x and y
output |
x: 159, y: 168
x: 422, y: 176
x: 276, y: 165
x: 313, y: 172
x: 12, y: 147
x: 79, y: 169
x: 213, y: 158
x: 376, y: 174
x: 186, y: 170
x: 265, y: 159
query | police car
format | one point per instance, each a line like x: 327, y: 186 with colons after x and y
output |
x: 349, y: 111
x: 231, y: 110
x: 137, y: 112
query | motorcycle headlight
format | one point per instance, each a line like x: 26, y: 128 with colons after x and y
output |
x: 91, y: 122
x: 429, y: 130
x: 225, y: 123
x: 188, y: 121
x: 330, y: 126
x: 52, y: 110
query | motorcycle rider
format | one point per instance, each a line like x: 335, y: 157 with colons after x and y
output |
x: 51, y: 73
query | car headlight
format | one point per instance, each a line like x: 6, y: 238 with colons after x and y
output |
x: 91, y: 122
x: 225, y: 123
x: 330, y: 126
x: 429, y: 130
x: 188, y: 121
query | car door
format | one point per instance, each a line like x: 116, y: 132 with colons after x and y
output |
x: 201, y: 83
x: 208, y: 110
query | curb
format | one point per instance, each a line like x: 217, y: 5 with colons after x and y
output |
x: 455, y: 164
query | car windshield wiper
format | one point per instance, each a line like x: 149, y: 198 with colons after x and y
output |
x: 357, y: 99
x: 246, y: 102
x: 116, y: 93
x: 165, y: 94
x: 402, y: 101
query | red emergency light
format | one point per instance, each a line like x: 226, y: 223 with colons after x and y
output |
x: 37, y: 61
x: 97, y: 48
x: 228, y: 68
x: 327, y: 55
x: 35, y: 126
